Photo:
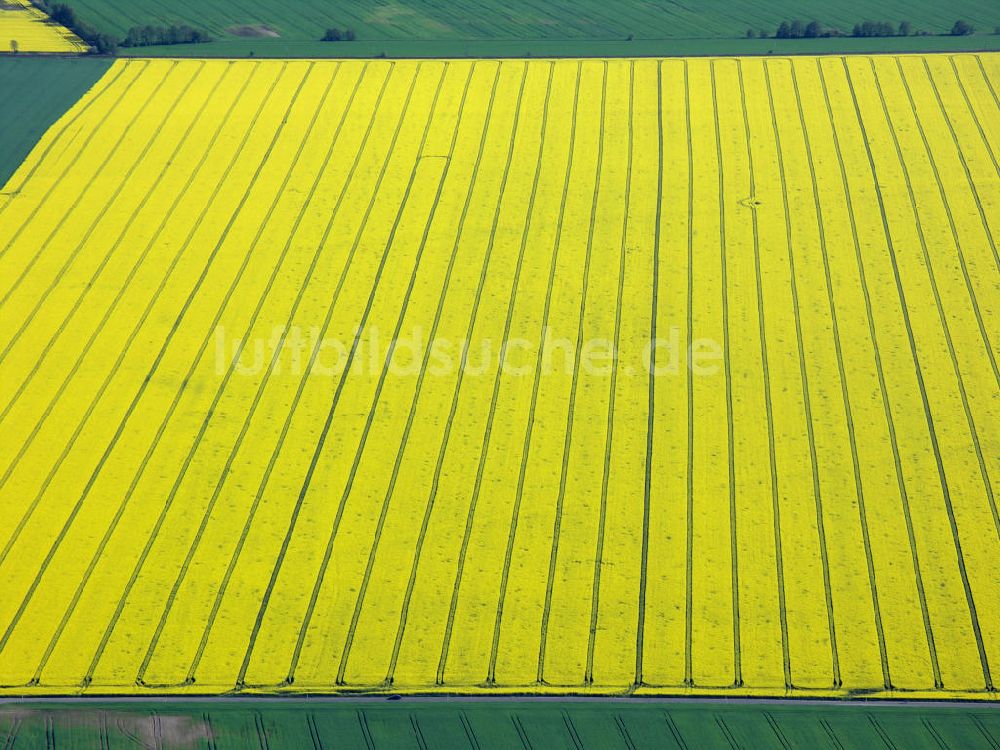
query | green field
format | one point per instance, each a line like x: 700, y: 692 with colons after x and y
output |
x: 497, y: 48
x: 483, y: 725
x: 34, y: 93
x: 537, y: 27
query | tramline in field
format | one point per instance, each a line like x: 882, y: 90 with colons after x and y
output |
x: 676, y: 376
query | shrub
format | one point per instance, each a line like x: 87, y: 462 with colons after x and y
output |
x: 873, y: 29
x: 905, y: 28
x: 339, y: 35
x: 961, y: 28
x: 798, y: 30
x: 149, y: 36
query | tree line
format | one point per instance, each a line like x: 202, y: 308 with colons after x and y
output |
x: 815, y: 30
x: 339, y: 35
x: 137, y: 36
x: 101, y: 43
x: 149, y: 36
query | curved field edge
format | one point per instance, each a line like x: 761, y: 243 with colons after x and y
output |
x: 34, y: 94
x: 497, y: 723
x: 27, y: 28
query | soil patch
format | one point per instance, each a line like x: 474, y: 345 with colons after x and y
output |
x: 251, y: 31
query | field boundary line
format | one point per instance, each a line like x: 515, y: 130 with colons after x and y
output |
x: 647, y: 477
x: 491, y: 668
x: 844, y: 390
x: 688, y: 384
x: 989, y: 82
x: 334, y: 214
x: 157, y: 132
x: 196, y: 444
x: 891, y: 250
x: 79, y: 198
x: 107, y: 536
x: 197, y: 225
x: 93, y: 337
x: 883, y: 389
x: 975, y: 115
x: 383, y: 375
x: 142, y: 65
x: 83, y: 354
x: 804, y: 377
x: 473, y: 502
x: 525, y: 230
x: 965, y: 273
x: 133, y: 404
x: 728, y: 367
x: 317, y: 452
x: 135, y: 331
x: 60, y: 329
x: 772, y: 458
x: 17, y: 531
x: 545, y: 317
x: 448, y: 424
x: 92, y: 96
x: 939, y: 460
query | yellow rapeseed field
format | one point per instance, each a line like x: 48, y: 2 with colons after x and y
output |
x: 24, y: 24
x: 667, y: 376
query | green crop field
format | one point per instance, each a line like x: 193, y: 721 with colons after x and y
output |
x: 528, y: 19
x: 539, y: 27
x: 438, y: 725
x: 34, y: 93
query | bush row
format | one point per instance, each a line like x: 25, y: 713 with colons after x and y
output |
x: 149, y: 36
x: 105, y: 44
x: 339, y: 35
x: 814, y: 30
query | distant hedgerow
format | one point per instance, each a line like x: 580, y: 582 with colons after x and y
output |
x: 813, y: 30
x: 873, y: 29
x: 339, y: 35
x: 150, y: 36
x: 100, y: 43
x: 799, y: 30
